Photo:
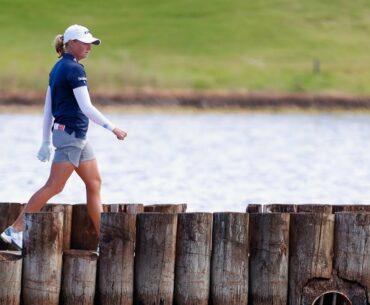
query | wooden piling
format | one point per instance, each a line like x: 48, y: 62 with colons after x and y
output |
x: 155, y: 258
x: 352, y: 247
x: 130, y: 208
x: 79, y: 277
x: 311, y: 251
x: 114, y: 207
x: 10, y: 277
x: 116, y: 258
x: 280, y: 208
x: 66, y: 209
x: 83, y: 234
x: 42, y: 258
x: 315, y: 288
x: 355, y: 208
x: 166, y: 208
x: 9, y: 212
x: 134, y: 208
x: 254, y: 208
x: 193, y: 259
x: 269, y: 252
x: 314, y: 208
x: 229, y: 267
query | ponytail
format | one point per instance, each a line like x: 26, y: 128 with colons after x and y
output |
x: 59, y: 45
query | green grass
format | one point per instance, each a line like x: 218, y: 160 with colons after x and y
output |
x: 192, y: 44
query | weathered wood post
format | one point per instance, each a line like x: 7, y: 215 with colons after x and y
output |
x: 42, y: 258
x: 67, y: 220
x: 352, y: 247
x: 9, y: 212
x: 134, y: 208
x: 229, y: 267
x: 269, y: 252
x: 166, y: 208
x: 114, y: 207
x: 318, y: 291
x: 314, y: 208
x: 131, y: 208
x: 155, y: 258
x: 10, y: 277
x: 311, y: 251
x: 356, y: 208
x: 254, y: 208
x: 79, y: 277
x: 193, y: 258
x: 83, y: 235
x: 116, y: 258
x: 280, y: 208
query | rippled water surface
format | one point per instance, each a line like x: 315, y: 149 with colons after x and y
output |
x: 211, y: 161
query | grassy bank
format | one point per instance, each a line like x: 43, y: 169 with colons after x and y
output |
x: 286, y: 45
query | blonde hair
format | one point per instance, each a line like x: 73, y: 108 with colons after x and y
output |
x: 59, y: 45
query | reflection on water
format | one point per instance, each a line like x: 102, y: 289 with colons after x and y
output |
x: 213, y: 162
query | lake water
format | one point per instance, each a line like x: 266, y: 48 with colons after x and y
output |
x: 211, y: 161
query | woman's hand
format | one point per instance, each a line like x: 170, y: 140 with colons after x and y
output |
x: 44, y: 152
x: 119, y: 133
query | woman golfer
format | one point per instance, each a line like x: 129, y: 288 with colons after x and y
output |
x: 66, y: 119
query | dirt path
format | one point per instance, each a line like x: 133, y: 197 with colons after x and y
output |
x: 205, y: 100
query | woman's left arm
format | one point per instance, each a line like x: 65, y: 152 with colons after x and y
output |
x: 84, y: 102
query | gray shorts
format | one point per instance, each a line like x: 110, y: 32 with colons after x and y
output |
x: 68, y: 148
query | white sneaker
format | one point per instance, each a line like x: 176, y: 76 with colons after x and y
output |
x: 13, y: 237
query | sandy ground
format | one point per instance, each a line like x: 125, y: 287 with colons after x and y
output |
x: 160, y: 100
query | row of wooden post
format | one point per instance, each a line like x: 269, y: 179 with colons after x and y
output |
x: 79, y: 232
x: 192, y: 258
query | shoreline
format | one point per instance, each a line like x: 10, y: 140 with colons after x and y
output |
x: 138, y: 100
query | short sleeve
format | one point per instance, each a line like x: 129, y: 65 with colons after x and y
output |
x: 77, y: 77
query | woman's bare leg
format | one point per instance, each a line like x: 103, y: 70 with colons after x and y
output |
x: 89, y: 173
x: 59, y: 174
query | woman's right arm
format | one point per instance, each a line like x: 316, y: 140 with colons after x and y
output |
x: 44, y: 152
x: 48, y: 117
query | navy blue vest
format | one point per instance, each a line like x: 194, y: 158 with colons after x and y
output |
x: 66, y: 75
